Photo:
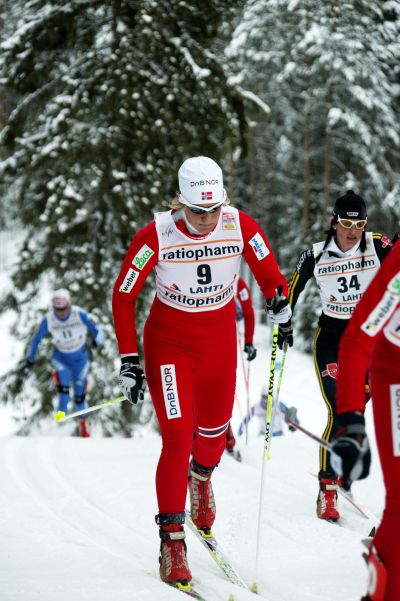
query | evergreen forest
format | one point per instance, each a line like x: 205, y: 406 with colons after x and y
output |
x: 102, y: 100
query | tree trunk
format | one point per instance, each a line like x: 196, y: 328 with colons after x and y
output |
x: 253, y: 191
x: 307, y: 177
x: 327, y: 177
x: 307, y: 159
x: 327, y: 165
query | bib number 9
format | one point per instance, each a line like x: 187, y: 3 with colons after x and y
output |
x: 204, y: 274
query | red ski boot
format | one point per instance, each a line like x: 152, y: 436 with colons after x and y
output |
x: 84, y: 432
x: 327, y: 500
x: 202, y: 503
x: 377, y: 576
x: 174, y: 568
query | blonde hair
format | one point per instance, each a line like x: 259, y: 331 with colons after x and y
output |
x: 176, y: 204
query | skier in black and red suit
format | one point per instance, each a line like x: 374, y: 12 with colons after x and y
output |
x: 343, y: 266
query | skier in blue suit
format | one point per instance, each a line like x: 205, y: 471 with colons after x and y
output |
x: 68, y: 325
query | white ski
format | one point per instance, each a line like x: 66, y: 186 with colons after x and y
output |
x: 212, y: 546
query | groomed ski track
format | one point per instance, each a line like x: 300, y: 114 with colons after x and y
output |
x: 77, y: 522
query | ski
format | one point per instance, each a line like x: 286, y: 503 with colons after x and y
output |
x: 189, y: 590
x: 349, y: 498
x: 212, y: 546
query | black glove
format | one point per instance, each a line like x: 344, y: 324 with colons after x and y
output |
x: 26, y: 368
x: 278, y: 308
x: 132, y: 380
x: 251, y: 351
x: 351, y: 455
x: 285, y: 334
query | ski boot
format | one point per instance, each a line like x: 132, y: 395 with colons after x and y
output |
x: 327, y: 500
x: 174, y: 568
x: 202, y: 503
x: 377, y: 576
x: 83, y: 429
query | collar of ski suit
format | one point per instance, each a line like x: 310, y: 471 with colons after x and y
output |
x: 184, y: 226
x: 335, y: 251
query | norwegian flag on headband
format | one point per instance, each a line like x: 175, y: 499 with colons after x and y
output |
x: 206, y: 196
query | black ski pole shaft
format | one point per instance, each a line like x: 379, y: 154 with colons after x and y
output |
x: 323, y: 443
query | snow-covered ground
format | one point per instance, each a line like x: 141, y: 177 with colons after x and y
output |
x: 77, y: 515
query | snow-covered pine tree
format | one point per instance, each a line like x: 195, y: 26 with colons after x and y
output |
x: 326, y: 71
x: 108, y: 99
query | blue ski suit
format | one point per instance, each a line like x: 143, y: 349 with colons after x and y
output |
x: 70, y: 358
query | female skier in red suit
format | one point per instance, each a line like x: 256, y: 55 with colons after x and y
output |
x: 190, y: 339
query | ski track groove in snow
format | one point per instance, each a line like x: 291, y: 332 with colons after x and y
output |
x: 77, y: 515
x: 31, y: 467
x: 24, y: 470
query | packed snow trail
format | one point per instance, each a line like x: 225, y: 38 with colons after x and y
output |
x: 77, y: 515
x: 77, y: 522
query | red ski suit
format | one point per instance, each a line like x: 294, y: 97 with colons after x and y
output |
x: 372, y: 342
x: 246, y: 308
x: 190, y: 356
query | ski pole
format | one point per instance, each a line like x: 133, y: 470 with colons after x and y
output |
x: 270, y: 400
x: 278, y: 388
x: 246, y: 380
x: 238, y: 404
x: 267, y: 438
x: 60, y: 416
x: 248, y: 402
x: 290, y: 418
